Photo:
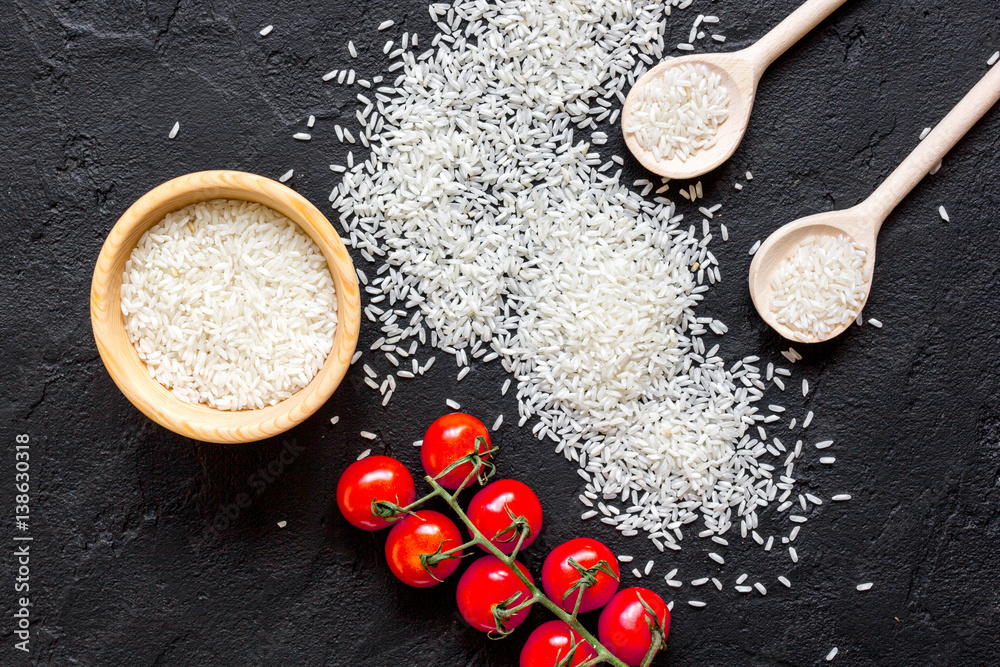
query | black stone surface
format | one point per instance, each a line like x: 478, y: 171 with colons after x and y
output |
x: 125, y: 565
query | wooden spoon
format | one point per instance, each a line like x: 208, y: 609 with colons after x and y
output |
x: 861, y: 223
x: 740, y: 72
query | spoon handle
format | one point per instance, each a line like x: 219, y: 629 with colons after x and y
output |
x: 792, y: 29
x: 934, y: 147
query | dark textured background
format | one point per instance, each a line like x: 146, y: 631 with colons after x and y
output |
x: 125, y: 567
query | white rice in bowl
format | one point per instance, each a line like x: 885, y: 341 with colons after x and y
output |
x: 679, y: 112
x: 229, y: 304
x: 821, y: 286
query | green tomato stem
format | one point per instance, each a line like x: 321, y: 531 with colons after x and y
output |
x: 510, y: 613
x: 654, y: 648
x: 418, y: 502
x: 537, y: 596
x: 520, y: 540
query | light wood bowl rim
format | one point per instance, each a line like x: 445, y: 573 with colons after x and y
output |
x: 129, y: 372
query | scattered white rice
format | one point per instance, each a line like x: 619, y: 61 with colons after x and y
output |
x: 454, y: 405
x: 364, y: 454
x: 678, y: 112
x: 944, y: 214
x: 499, y: 234
x: 334, y: 419
x: 785, y: 582
x: 229, y: 304
x: 385, y: 25
x: 302, y: 136
x: 832, y: 654
x: 820, y: 286
x: 993, y: 59
x: 696, y: 603
x: 865, y: 587
x: 288, y: 174
x: 266, y: 30
x: 368, y: 435
x: 841, y: 497
x: 174, y: 130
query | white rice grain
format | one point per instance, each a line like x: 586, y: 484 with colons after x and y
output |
x: 263, y: 313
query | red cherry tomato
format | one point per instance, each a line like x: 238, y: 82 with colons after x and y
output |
x: 447, y: 440
x: 373, y: 478
x: 424, y: 532
x: 623, y: 627
x: 485, y: 584
x: 558, y: 576
x: 551, y: 642
x: 492, y: 508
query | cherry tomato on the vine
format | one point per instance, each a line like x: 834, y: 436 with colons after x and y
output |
x: 424, y: 532
x: 447, y: 440
x: 486, y: 583
x: 559, y: 576
x: 373, y: 478
x: 551, y: 643
x: 495, y: 507
x: 623, y: 627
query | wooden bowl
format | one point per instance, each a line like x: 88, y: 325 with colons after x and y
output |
x: 129, y: 371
